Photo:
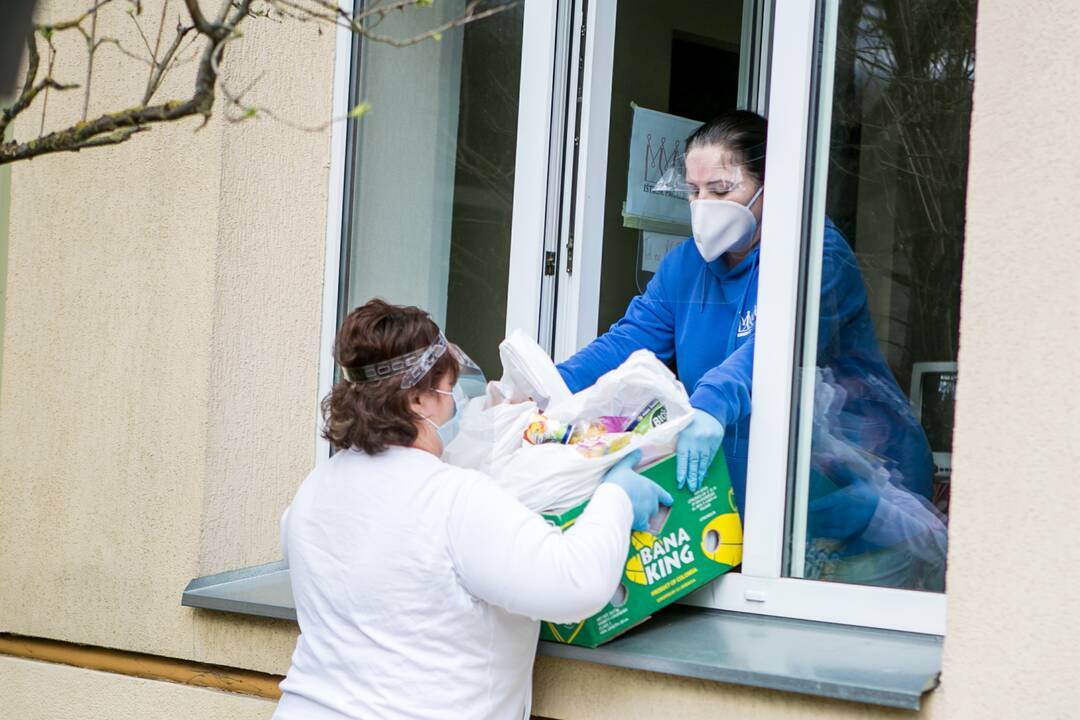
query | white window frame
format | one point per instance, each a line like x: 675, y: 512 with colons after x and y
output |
x: 530, y: 209
x: 578, y: 301
x: 335, y: 215
x: 760, y: 588
x: 790, y: 52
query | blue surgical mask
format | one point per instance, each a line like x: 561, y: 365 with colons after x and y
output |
x: 449, y: 429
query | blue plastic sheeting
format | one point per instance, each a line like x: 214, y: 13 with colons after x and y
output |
x: 878, y: 667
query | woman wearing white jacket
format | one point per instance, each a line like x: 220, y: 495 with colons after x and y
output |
x: 419, y: 585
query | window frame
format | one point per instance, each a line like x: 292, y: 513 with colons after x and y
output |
x: 792, y: 228
x: 790, y: 42
x: 345, y: 45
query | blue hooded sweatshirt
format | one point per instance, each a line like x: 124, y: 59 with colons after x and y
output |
x: 701, y: 318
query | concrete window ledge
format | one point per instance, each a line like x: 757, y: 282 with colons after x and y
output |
x: 866, y: 665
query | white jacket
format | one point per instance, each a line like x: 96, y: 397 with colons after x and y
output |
x: 419, y: 585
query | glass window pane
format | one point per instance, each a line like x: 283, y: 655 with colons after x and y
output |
x: 432, y: 182
x: 660, y: 50
x: 878, y: 362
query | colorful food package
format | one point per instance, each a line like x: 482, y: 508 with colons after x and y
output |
x: 602, y: 445
x: 542, y: 429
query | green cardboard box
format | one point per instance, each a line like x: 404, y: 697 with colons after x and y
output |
x: 696, y: 541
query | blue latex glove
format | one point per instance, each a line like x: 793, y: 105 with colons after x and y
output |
x: 696, y: 449
x: 645, y: 495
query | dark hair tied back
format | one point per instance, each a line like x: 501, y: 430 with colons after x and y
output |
x: 740, y: 131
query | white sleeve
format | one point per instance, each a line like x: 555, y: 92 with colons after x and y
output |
x: 509, y: 556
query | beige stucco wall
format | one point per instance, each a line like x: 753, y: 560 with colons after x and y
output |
x: 5, y: 212
x: 1013, y: 644
x: 159, y: 381
x: 31, y: 690
x: 160, y: 353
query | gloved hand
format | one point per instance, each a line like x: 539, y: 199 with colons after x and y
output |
x: 645, y: 495
x: 696, y: 448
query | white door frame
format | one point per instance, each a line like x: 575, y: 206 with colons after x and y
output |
x: 526, y: 293
x: 578, y: 302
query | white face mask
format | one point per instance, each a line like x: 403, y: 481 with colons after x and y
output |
x: 722, y: 226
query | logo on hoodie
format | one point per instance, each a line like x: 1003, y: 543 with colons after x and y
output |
x: 747, y: 322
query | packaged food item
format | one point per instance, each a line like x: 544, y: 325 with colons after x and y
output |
x: 595, y: 437
x: 596, y: 428
x: 542, y: 429
x: 653, y: 414
x: 602, y: 445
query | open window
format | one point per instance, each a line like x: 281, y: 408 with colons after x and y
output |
x: 487, y: 185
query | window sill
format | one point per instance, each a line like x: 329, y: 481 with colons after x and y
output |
x: 878, y: 667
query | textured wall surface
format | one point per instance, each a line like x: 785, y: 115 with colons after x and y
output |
x: 43, y: 691
x: 1013, y: 640
x: 161, y: 347
x: 159, y: 386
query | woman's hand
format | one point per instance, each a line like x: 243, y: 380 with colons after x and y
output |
x: 696, y: 449
x: 645, y: 495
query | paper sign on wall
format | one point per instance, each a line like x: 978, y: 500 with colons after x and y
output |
x: 655, y: 246
x: 657, y: 142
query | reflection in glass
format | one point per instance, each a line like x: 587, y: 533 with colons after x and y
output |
x: 870, y: 500
x: 432, y: 174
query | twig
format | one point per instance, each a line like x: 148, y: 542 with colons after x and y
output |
x: 154, y: 54
x: 48, y: 76
x: 338, y: 17
x: 145, y: 40
x: 123, y: 51
x: 161, y: 68
x: 437, y: 32
x: 90, y: 60
x: 75, y: 24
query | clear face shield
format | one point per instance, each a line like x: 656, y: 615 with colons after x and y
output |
x: 717, y: 178
x: 710, y: 171
x: 414, y: 366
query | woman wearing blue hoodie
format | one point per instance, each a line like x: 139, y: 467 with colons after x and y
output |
x: 699, y: 313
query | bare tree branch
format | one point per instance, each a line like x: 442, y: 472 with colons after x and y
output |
x: 113, y: 128
x: 197, y: 17
x: 28, y: 94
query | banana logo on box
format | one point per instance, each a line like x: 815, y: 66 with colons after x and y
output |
x: 721, y: 539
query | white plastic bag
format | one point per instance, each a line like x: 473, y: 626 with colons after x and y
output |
x: 489, y: 434
x: 492, y: 425
x: 552, y: 478
x: 528, y: 374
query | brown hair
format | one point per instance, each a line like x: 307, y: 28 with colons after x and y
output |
x: 740, y: 131
x: 373, y: 415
